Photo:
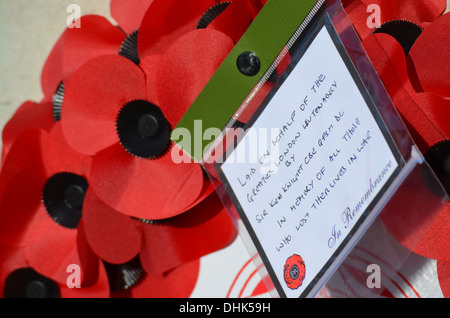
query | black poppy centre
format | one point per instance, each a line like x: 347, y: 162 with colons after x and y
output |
x: 63, y: 197
x: 143, y: 130
x: 27, y: 283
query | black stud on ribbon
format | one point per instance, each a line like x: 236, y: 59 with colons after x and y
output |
x: 143, y: 130
x: 212, y: 13
x: 123, y: 276
x: 27, y: 283
x: 248, y: 63
x: 57, y: 102
x: 129, y: 48
x: 405, y: 32
x: 63, y: 197
x: 438, y: 157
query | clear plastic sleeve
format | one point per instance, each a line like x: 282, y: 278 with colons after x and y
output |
x: 393, y: 222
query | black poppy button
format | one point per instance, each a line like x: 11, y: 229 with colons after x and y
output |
x: 129, y: 48
x: 143, y: 129
x: 405, y: 32
x: 438, y: 157
x: 63, y: 197
x: 248, y: 63
x: 27, y: 283
x: 148, y: 125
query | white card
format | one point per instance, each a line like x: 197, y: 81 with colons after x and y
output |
x: 312, y: 167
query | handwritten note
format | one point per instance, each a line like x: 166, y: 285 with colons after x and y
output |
x: 322, y: 159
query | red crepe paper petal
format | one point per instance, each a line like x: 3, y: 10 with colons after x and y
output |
x: 89, y: 260
x: 96, y: 37
x: 187, y: 67
x: 443, y: 271
x: 20, y: 174
x: 52, y: 73
x: 11, y: 259
x: 142, y: 188
x: 166, y: 21
x: 437, y: 110
x: 177, y: 283
x: 34, y: 157
x: 424, y: 234
x: 60, y: 157
x: 93, y: 98
x: 54, y: 252
x: 429, y: 58
x: 150, y: 65
x: 235, y: 20
x: 198, y: 232
x: 129, y: 14
x: 29, y: 115
x: 23, y: 216
x: 387, y: 58
x: 113, y: 236
x: 256, y: 6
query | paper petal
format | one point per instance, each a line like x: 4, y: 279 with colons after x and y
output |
x: 54, y: 252
x: 60, y: 157
x: 187, y: 67
x: 385, y: 54
x: 95, y: 37
x: 150, y: 65
x: 418, y: 231
x: 437, y: 110
x: 235, y: 20
x: 142, y: 188
x: 166, y: 21
x: 113, y: 236
x: 177, y: 283
x: 443, y: 270
x: 198, y: 232
x: 429, y: 58
x: 129, y: 14
x: 28, y: 115
x: 94, y: 97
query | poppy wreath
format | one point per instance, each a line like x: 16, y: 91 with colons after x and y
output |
x: 87, y: 177
x: 134, y: 222
x: 410, y: 49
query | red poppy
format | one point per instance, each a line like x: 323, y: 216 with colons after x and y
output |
x: 29, y: 115
x: 96, y: 37
x: 87, y: 157
x: 42, y: 169
x: 162, y: 245
x: 415, y: 76
x: 19, y: 280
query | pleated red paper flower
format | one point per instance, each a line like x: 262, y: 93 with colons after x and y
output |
x: 122, y: 113
x: 94, y: 159
x: 62, y: 222
x: 19, y: 280
x: 42, y: 186
x: 410, y: 51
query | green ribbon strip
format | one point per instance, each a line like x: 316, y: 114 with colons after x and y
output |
x: 228, y: 87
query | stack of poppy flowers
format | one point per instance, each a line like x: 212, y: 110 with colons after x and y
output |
x: 87, y: 182
x: 410, y: 50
